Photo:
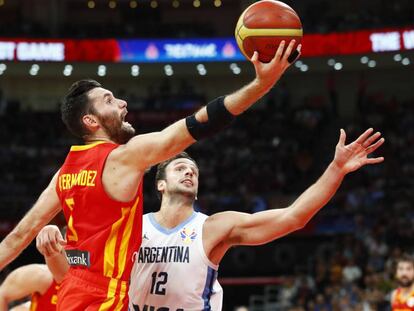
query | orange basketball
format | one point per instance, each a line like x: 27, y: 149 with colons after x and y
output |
x: 263, y: 25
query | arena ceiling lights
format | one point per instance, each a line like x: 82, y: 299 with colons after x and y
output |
x: 134, y: 4
x: 313, y: 65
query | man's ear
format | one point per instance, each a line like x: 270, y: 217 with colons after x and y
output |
x: 161, y: 185
x: 90, y: 122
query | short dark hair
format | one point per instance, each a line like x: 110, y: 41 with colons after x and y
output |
x: 160, y: 174
x: 76, y: 104
x: 404, y: 258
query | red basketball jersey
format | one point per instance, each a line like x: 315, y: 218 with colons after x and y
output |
x: 102, y: 233
x: 47, y: 301
x: 402, y: 302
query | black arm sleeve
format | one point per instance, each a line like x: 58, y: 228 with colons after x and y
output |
x: 219, y: 118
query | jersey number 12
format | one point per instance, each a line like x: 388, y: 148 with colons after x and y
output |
x: 158, y: 282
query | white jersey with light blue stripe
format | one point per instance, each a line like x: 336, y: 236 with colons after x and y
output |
x: 171, y: 271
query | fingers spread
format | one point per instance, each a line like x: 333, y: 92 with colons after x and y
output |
x: 361, y: 139
x: 375, y: 146
x: 289, y: 50
x: 374, y: 160
x: 342, y: 137
x: 279, y: 52
x: 371, y: 139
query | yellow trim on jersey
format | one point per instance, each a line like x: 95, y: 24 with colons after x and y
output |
x: 123, y: 250
x: 33, y: 303
x: 122, y: 294
x: 110, y: 245
x: 86, y: 147
x: 111, y: 295
x: 245, y: 32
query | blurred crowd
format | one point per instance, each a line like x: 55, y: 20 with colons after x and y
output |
x: 319, y: 16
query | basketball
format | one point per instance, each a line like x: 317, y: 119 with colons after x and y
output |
x: 263, y: 25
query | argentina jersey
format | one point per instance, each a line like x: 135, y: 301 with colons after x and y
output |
x: 171, y: 271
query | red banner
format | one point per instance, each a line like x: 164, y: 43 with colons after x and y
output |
x: 59, y: 50
x: 358, y: 42
x: 111, y: 50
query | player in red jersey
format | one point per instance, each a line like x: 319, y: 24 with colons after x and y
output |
x: 41, y: 281
x: 99, y: 187
x: 402, y: 298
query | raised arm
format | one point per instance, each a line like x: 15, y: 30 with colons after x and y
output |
x: 233, y: 228
x: 23, y: 282
x: 145, y: 150
x: 43, y: 211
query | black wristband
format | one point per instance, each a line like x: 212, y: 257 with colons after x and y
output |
x: 218, y: 113
x: 218, y: 118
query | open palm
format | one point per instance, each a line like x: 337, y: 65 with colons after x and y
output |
x: 355, y: 155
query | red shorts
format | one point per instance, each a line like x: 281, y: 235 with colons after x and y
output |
x: 82, y: 290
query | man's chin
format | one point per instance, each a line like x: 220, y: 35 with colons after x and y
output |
x: 124, y: 136
x: 188, y: 194
x: 126, y: 126
x: 406, y: 283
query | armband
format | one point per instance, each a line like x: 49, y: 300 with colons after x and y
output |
x: 219, y: 118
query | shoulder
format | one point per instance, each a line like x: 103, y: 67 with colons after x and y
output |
x: 220, y: 224
x: 224, y: 219
x: 146, y: 217
x: 394, y: 294
x: 127, y: 154
x: 41, y: 272
x: 33, y: 270
x: 34, y: 273
x: 201, y: 217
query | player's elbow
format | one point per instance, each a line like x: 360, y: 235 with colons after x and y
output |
x: 22, y: 237
x: 300, y: 225
x: 15, y: 238
x: 296, y: 223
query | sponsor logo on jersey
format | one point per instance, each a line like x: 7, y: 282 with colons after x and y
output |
x: 163, y: 254
x: 78, y: 258
x: 188, y: 235
x: 145, y: 236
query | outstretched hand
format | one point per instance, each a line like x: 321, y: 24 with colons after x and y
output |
x: 49, y: 241
x: 269, y: 73
x: 351, y: 157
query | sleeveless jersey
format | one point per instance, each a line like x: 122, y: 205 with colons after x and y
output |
x: 171, y: 270
x: 402, y: 303
x: 47, y: 301
x: 102, y: 233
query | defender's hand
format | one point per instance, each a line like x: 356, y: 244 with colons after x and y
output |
x: 351, y: 157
